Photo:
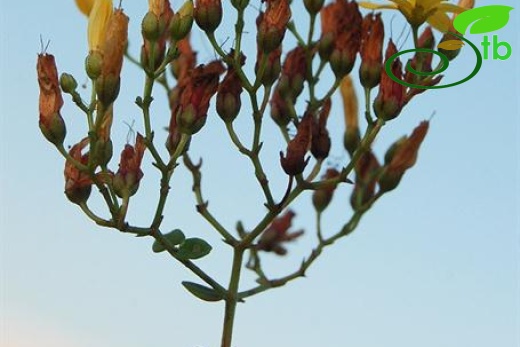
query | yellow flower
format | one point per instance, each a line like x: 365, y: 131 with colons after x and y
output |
x: 85, y: 6
x: 418, y: 12
x: 98, y: 19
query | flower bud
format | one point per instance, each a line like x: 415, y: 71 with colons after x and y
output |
x: 320, y: 144
x: 352, y: 137
x: 240, y: 4
x: 68, y: 83
x: 322, y: 197
x: 272, y: 25
x: 341, y: 35
x: 276, y: 234
x: 127, y: 178
x: 107, y: 88
x: 294, y: 162
x: 392, y: 95
x: 228, y: 94
x: 182, y: 21
x: 78, y: 184
x: 325, y: 46
x: 51, y: 101
x: 208, y: 14
x: 371, y: 50
x: 280, y: 112
x: 367, y: 169
x: 94, y: 64
x: 150, y: 27
x: 402, y: 156
x: 199, y: 88
x: 341, y: 63
x: 293, y: 73
x: 313, y: 6
x: 272, y: 68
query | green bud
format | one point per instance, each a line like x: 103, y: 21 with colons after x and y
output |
x: 94, y: 64
x: 240, y: 4
x: 107, y: 88
x: 228, y: 106
x: 68, y: 83
x: 325, y: 46
x: 208, y: 16
x: 189, y: 122
x: 54, y: 129
x: 321, y: 199
x: 150, y: 27
x: 313, y: 6
x: 182, y: 21
x: 340, y: 63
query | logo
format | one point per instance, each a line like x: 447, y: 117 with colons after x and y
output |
x: 483, y: 20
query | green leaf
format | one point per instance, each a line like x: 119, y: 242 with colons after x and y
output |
x: 486, y: 19
x: 174, y: 238
x: 193, y: 248
x: 450, y: 45
x: 202, y: 292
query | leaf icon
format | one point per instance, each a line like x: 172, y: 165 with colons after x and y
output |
x: 450, y: 45
x: 486, y: 19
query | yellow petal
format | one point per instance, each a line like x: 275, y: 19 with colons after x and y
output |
x: 98, y: 23
x: 85, y: 6
x: 372, y: 6
x: 406, y: 7
x: 439, y: 21
x: 446, y: 7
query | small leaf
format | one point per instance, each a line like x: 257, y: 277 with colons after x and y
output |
x: 174, y: 237
x: 486, y: 19
x: 202, y: 292
x: 193, y: 248
x: 450, y: 45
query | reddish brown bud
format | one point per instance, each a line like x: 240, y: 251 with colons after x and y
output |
x: 201, y: 85
x: 208, y: 14
x: 277, y: 234
x: 371, y: 50
x: 367, y: 169
x: 294, y: 163
x: 392, y: 95
x: 272, y: 68
x: 127, y: 178
x: 272, y: 25
x: 228, y: 94
x: 280, y: 112
x: 341, y: 29
x: 322, y: 197
x: 401, y: 157
x: 51, y: 123
x: 78, y: 184
x: 293, y: 73
x: 320, y: 146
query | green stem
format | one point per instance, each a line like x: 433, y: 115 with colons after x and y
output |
x: 202, y: 206
x: 232, y: 297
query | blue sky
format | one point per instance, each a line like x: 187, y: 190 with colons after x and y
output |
x: 435, y: 263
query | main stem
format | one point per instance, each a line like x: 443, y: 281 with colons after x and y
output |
x: 232, y: 297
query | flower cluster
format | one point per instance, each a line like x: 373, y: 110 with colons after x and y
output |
x: 288, y: 83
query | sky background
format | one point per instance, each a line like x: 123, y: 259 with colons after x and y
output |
x: 434, y: 263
